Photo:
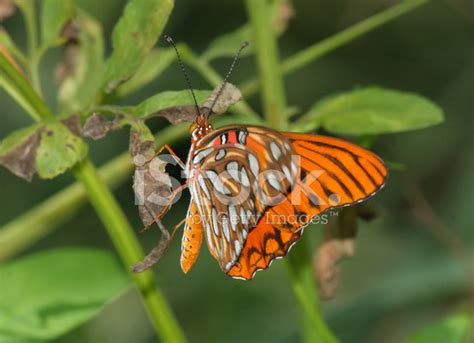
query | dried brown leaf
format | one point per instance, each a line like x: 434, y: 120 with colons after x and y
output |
x: 67, y: 66
x: 153, y: 189
x: 21, y: 160
x: 157, y: 252
x: 73, y: 123
x: 229, y: 95
x: 326, y: 264
x: 178, y: 114
x: 97, y: 126
x: 7, y: 9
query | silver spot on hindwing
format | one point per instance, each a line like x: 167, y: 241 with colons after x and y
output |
x: 201, y: 155
x: 234, y: 219
x: 243, y: 217
x: 214, y: 221
x: 276, y: 152
x: 225, y: 228
x: 254, y: 165
x: 220, y: 154
x: 202, y: 183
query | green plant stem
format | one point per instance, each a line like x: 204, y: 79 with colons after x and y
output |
x: 210, y: 75
x: 129, y: 250
x: 274, y: 104
x: 329, y: 44
x: 27, y: 8
x: 20, y: 89
x: 273, y: 93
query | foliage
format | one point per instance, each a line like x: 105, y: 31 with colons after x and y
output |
x: 84, y: 281
x: 92, y: 83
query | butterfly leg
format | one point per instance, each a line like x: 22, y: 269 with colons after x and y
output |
x: 176, y: 157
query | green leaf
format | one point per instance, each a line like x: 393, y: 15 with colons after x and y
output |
x: 10, y: 45
x: 154, y: 64
x: 81, y: 87
x: 226, y: 45
x: 454, y: 329
x: 58, y: 150
x: 133, y: 37
x: 47, y: 294
x: 371, y: 110
x: 54, y: 15
x: 169, y: 99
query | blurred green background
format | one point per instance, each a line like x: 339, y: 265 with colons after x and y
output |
x: 406, y: 272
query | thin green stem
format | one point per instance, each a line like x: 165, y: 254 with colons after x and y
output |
x: 129, y: 250
x: 274, y: 103
x: 27, y: 8
x: 273, y: 93
x: 20, y: 89
x: 319, y: 49
x: 203, y: 67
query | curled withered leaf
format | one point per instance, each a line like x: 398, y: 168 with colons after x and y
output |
x: 178, y: 114
x: 229, y: 95
x: 326, y: 264
x: 181, y: 114
x: 21, y: 160
x: 157, y: 252
x: 339, y: 243
x: 71, y: 31
x: 67, y: 66
x: 153, y: 189
x: 142, y: 141
x: 97, y: 126
x: 7, y: 9
x: 73, y: 123
x: 284, y: 12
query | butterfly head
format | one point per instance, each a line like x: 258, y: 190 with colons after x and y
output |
x: 200, y: 128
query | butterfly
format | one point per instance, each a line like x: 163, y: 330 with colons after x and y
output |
x: 254, y: 189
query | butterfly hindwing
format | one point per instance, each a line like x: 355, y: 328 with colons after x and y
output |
x: 234, y: 181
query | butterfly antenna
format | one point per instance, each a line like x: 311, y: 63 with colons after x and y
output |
x: 237, y: 55
x: 181, y: 65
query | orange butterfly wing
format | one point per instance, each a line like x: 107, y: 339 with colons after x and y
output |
x: 333, y: 173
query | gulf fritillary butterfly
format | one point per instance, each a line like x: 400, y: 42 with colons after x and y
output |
x: 254, y: 189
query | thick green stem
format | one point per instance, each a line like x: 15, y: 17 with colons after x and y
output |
x: 274, y: 103
x: 329, y: 44
x: 129, y: 250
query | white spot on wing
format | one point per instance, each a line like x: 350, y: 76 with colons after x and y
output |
x: 225, y: 228
x: 234, y: 219
x: 254, y: 166
x: 243, y: 217
x: 201, y: 155
x: 244, y: 178
x: 202, y: 183
x: 276, y: 152
x: 215, y: 225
